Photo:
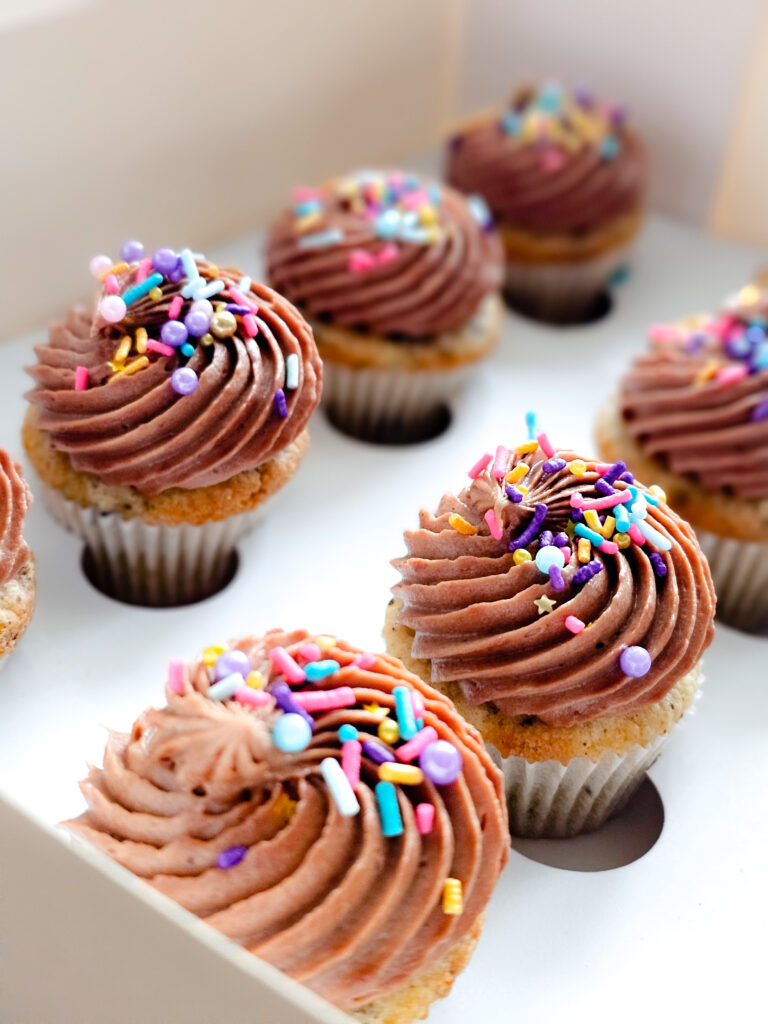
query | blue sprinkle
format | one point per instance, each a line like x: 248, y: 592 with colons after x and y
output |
x: 609, y: 147
x: 187, y: 349
x: 511, y: 124
x: 139, y: 290
x: 387, y: 224
x: 404, y: 710
x: 320, y: 669
x: 531, y: 425
x: 389, y: 810
x: 620, y: 276
x: 347, y: 733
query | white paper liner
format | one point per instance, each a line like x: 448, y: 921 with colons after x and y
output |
x: 391, y: 406
x: 562, y: 292
x: 740, y: 574
x: 154, y: 565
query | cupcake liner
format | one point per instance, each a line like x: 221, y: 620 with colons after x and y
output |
x: 562, y: 292
x: 547, y: 799
x: 145, y: 564
x: 391, y: 406
x: 740, y: 573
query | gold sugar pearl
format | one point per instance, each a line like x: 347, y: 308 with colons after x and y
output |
x: 389, y: 731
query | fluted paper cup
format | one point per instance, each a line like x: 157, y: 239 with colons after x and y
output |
x: 740, y: 573
x: 158, y: 566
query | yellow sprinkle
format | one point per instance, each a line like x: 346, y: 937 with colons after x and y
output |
x: 578, y: 467
x: 306, y: 222
x: 207, y: 339
x: 135, y: 365
x: 749, y: 295
x: 523, y: 489
x: 658, y: 492
x: 284, y: 808
x: 707, y: 372
x: 623, y: 540
x: 527, y: 448
x: 155, y: 294
x: 608, y: 527
x: 584, y: 550
x: 593, y: 520
x: 116, y: 368
x: 255, y: 679
x: 517, y: 473
x: 141, y: 340
x: 210, y: 654
x: 122, y: 350
x: 325, y: 642
x: 375, y: 709
x: 405, y: 774
x: 521, y: 555
x: 460, y: 525
x: 389, y: 731
x: 453, y: 896
x: 213, y: 270
x: 116, y: 268
x: 428, y: 215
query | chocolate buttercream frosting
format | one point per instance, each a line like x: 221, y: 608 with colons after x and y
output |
x: 698, y: 398
x: 186, y: 384
x: 200, y: 800
x: 15, y: 499
x: 556, y: 587
x: 392, y: 254
x: 553, y: 162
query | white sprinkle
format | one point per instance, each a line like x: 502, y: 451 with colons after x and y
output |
x: 226, y: 687
x: 338, y: 784
x: 244, y: 285
x: 292, y: 371
x: 318, y: 239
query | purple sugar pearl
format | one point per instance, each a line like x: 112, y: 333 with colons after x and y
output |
x: 232, y: 661
x: 174, y: 333
x: 658, y: 563
x: 229, y: 858
x: 165, y: 261
x: 132, y: 251
x: 197, y: 323
x: 634, y: 661
x: 441, y: 762
x: 184, y: 380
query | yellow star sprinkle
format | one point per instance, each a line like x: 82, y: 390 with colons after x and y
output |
x: 284, y: 809
x: 544, y: 604
x: 375, y: 709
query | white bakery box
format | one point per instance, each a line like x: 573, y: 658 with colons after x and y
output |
x: 663, y: 914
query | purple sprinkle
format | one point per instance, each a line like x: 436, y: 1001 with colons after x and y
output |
x: 280, y: 403
x: 282, y: 693
x: 617, y: 115
x: 658, y: 563
x: 377, y: 752
x: 614, y: 472
x: 228, y: 858
x: 539, y: 515
x: 586, y: 572
x: 577, y: 515
x: 760, y: 411
x: 695, y: 342
x: 513, y: 494
x: 583, y: 97
x: 546, y: 538
x: 627, y: 477
x: 232, y: 307
x: 561, y: 540
x: 556, y: 577
x: 553, y: 465
x: 603, y: 487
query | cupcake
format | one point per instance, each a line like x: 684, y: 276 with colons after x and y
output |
x: 398, y: 276
x: 318, y: 805
x: 564, y: 607
x: 17, y: 566
x: 692, y: 413
x: 565, y: 176
x: 164, y: 418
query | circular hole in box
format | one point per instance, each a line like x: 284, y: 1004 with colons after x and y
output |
x: 623, y: 839
x: 394, y: 432
x: 598, y: 309
x: 147, y: 591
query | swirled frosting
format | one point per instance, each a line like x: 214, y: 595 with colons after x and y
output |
x: 198, y: 800
x: 393, y: 254
x: 553, y: 162
x: 15, y: 499
x: 488, y: 613
x: 132, y: 409
x: 698, y: 398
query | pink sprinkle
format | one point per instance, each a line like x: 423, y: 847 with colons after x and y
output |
x: 176, y: 675
x: 609, y: 547
x: 665, y: 333
x: 493, y: 524
x: 499, y: 463
x: 175, y: 307
x: 731, y: 374
x: 350, y: 761
x: 284, y: 663
x: 600, y: 468
x: 143, y: 270
x: 635, y: 534
x: 253, y: 698
x: 310, y: 652
x: 158, y: 346
x: 111, y: 284
x: 425, y: 818
x: 566, y: 554
x: 552, y: 160
x: 360, y: 261
x: 389, y: 253
x: 250, y: 325
x: 81, y: 378
x: 545, y: 444
x: 326, y: 700
x: 619, y: 498
x: 417, y: 701
x: 363, y: 660
x: 241, y: 300
x: 411, y: 750
x: 302, y: 192
x: 723, y: 326
x: 480, y: 465
x: 573, y: 624
x: 415, y: 200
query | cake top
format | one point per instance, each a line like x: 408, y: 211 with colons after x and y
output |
x: 184, y: 374
x: 391, y: 253
x: 15, y: 499
x: 316, y: 803
x: 698, y: 398
x: 555, y: 160
x: 556, y: 586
